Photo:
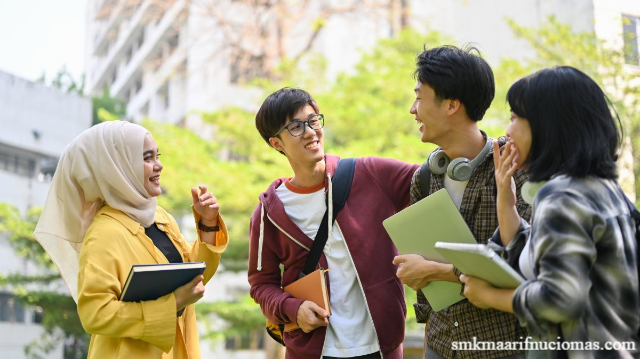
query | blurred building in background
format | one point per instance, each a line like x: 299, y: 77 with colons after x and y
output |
x: 170, y: 59
x: 36, y: 124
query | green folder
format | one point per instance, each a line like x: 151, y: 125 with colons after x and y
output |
x: 480, y: 261
x: 418, y: 227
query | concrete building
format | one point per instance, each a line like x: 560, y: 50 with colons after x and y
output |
x: 166, y: 60
x: 482, y: 22
x: 36, y: 124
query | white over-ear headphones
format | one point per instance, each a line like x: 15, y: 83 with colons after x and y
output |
x: 459, y: 169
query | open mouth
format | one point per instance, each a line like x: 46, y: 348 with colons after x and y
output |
x: 311, y: 145
x: 155, y: 179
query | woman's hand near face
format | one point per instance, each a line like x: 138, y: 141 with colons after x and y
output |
x: 505, y: 167
x: 206, y: 205
x: 190, y: 292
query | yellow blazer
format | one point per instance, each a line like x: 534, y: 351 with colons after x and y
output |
x: 150, y: 329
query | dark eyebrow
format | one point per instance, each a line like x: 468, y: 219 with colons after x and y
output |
x: 148, y: 152
x: 308, y: 117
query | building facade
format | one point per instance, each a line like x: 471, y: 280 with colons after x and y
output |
x: 37, y: 123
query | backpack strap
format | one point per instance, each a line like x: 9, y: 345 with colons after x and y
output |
x: 425, y: 179
x: 341, y: 182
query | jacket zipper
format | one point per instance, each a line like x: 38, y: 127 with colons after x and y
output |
x: 361, y: 289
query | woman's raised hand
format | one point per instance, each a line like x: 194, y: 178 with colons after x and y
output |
x: 505, y: 167
x: 206, y: 205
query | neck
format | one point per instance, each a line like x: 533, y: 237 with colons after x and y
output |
x: 463, y: 141
x: 308, y: 175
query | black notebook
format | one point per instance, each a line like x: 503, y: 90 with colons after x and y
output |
x: 152, y: 281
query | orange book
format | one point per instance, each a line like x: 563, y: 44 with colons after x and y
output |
x: 312, y: 287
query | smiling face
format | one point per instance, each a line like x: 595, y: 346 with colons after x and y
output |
x: 152, y: 166
x: 306, y: 149
x: 519, y: 132
x: 430, y: 113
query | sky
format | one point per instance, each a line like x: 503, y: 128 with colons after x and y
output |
x: 39, y: 36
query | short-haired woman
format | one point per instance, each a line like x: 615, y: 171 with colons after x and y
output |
x: 580, y: 253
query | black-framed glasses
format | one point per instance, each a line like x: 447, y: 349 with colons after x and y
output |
x: 296, y: 128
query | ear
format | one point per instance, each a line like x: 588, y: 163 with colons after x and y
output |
x: 276, y: 143
x: 453, y: 106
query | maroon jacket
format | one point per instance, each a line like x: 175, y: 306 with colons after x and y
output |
x: 380, y: 188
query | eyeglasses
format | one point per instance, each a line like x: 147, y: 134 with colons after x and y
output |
x: 296, y: 128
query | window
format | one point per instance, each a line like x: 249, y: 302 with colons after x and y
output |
x: 18, y: 164
x: 10, y: 310
x: 630, y: 31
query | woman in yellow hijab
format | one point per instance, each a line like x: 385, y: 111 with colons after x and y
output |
x: 101, y: 217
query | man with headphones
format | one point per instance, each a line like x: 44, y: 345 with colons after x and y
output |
x: 453, y: 91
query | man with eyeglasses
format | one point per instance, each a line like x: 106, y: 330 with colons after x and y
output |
x: 366, y: 297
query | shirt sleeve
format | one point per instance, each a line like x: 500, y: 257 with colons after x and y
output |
x: 201, y: 251
x: 265, y: 278
x: 392, y: 176
x: 563, y: 252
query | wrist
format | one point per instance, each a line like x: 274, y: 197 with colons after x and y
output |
x: 445, y: 272
x: 209, y: 222
x: 208, y: 226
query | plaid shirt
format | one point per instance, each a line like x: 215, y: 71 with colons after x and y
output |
x: 583, y: 248
x: 463, y: 321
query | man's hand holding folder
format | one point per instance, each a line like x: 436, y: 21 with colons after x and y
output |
x: 311, y: 316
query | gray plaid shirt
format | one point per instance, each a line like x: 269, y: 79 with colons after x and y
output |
x: 463, y: 321
x: 583, y: 250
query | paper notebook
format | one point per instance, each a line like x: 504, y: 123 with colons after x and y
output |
x: 312, y: 287
x: 480, y: 261
x: 418, y: 227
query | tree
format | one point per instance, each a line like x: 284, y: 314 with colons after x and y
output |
x: 43, y: 289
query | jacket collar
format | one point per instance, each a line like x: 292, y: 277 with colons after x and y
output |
x: 274, y: 207
x: 129, y: 223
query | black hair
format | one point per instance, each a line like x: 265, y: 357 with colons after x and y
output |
x: 279, y: 107
x: 573, y: 129
x: 456, y: 73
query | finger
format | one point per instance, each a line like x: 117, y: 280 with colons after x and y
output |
x: 320, y: 313
x: 496, y: 153
x: 197, y: 279
x: 398, y: 260
x: 513, y: 150
x: 194, y: 194
x: 203, y: 189
x: 204, y: 197
x: 511, y: 171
